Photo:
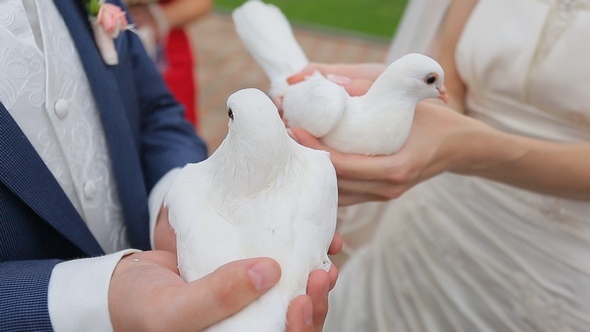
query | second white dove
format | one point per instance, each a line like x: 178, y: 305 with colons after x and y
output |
x: 377, y: 123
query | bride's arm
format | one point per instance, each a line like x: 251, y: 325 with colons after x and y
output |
x: 458, y: 14
x: 470, y: 147
x: 553, y: 168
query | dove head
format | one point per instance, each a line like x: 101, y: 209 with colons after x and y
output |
x: 253, y: 117
x: 257, y: 146
x: 418, y: 75
x: 256, y: 132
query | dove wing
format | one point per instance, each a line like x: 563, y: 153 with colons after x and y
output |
x: 205, y: 238
x: 295, y: 222
x: 316, y: 218
x: 315, y: 104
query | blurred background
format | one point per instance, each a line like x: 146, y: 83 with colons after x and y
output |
x: 345, y: 31
x: 369, y: 17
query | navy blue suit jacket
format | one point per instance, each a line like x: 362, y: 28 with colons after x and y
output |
x: 146, y: 135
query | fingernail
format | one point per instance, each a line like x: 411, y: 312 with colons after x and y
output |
x: 264, y: 275
x: 290, y: 133
x: 338, y: 79
x: 307, y: 313
x: 278, y: 101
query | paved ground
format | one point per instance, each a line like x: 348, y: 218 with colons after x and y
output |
x: 225, y: 66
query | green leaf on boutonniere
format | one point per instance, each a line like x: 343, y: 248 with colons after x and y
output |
x: 93, y: 6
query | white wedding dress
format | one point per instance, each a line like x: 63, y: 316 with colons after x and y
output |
x: 460, y: 253
x: 419, y: 30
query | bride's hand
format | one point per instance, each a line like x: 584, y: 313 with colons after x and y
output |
x: 355, y: 78
x: 440, y: 140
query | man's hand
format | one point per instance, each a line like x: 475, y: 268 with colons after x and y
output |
x: 164, y: 236
x: 147, y: 294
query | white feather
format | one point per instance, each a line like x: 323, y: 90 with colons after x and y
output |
x: 268, y: 36
x: 259, y: 194
x: 373, y: 124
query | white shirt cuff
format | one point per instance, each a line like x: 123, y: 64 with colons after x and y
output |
x: 156, y: 199
x: 78, y: 293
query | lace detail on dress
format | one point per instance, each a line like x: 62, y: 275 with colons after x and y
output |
x: 555, y: 213
x: 562, y: 14
x: 538, y: 307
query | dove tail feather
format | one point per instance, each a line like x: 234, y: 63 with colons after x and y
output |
x: 267, y: 35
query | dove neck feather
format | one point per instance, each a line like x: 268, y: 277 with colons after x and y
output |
x: 250, y: 164
x: 393, y: 85
x: 387, y: 108
x: 377, y: 104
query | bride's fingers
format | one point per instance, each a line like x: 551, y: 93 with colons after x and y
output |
x: 325, y: 69
x: 348, y: 166
x: 300, y: 76
x: 380, y: 189
x: 336, y: 245
x: 357, y: 87
x: 360, y: 167
x: 307, y: 71
x: 347, y: 199
x: 354, y: 87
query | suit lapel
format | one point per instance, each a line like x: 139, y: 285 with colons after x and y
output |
x: 25, y: 174
x: 123, y: 153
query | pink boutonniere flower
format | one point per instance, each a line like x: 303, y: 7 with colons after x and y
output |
x: 107, y: 22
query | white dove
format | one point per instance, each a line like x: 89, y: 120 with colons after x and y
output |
x: 376, y: 123
x: 259, y: 194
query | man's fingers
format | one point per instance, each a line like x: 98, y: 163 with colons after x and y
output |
x: 336, y: 244
x: 227, y: 290
x: 300, y: 315
x: 333, y: 276
x: 318, y: 286
x: 164, y: 236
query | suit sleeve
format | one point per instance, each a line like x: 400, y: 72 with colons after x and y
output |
x: 167, y: 141
x: 29, y: 280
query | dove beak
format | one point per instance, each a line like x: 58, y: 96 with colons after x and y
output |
x: 442, y: 94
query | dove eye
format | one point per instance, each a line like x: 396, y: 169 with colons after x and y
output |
x: 230, y: 113
x: 431, y: 78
